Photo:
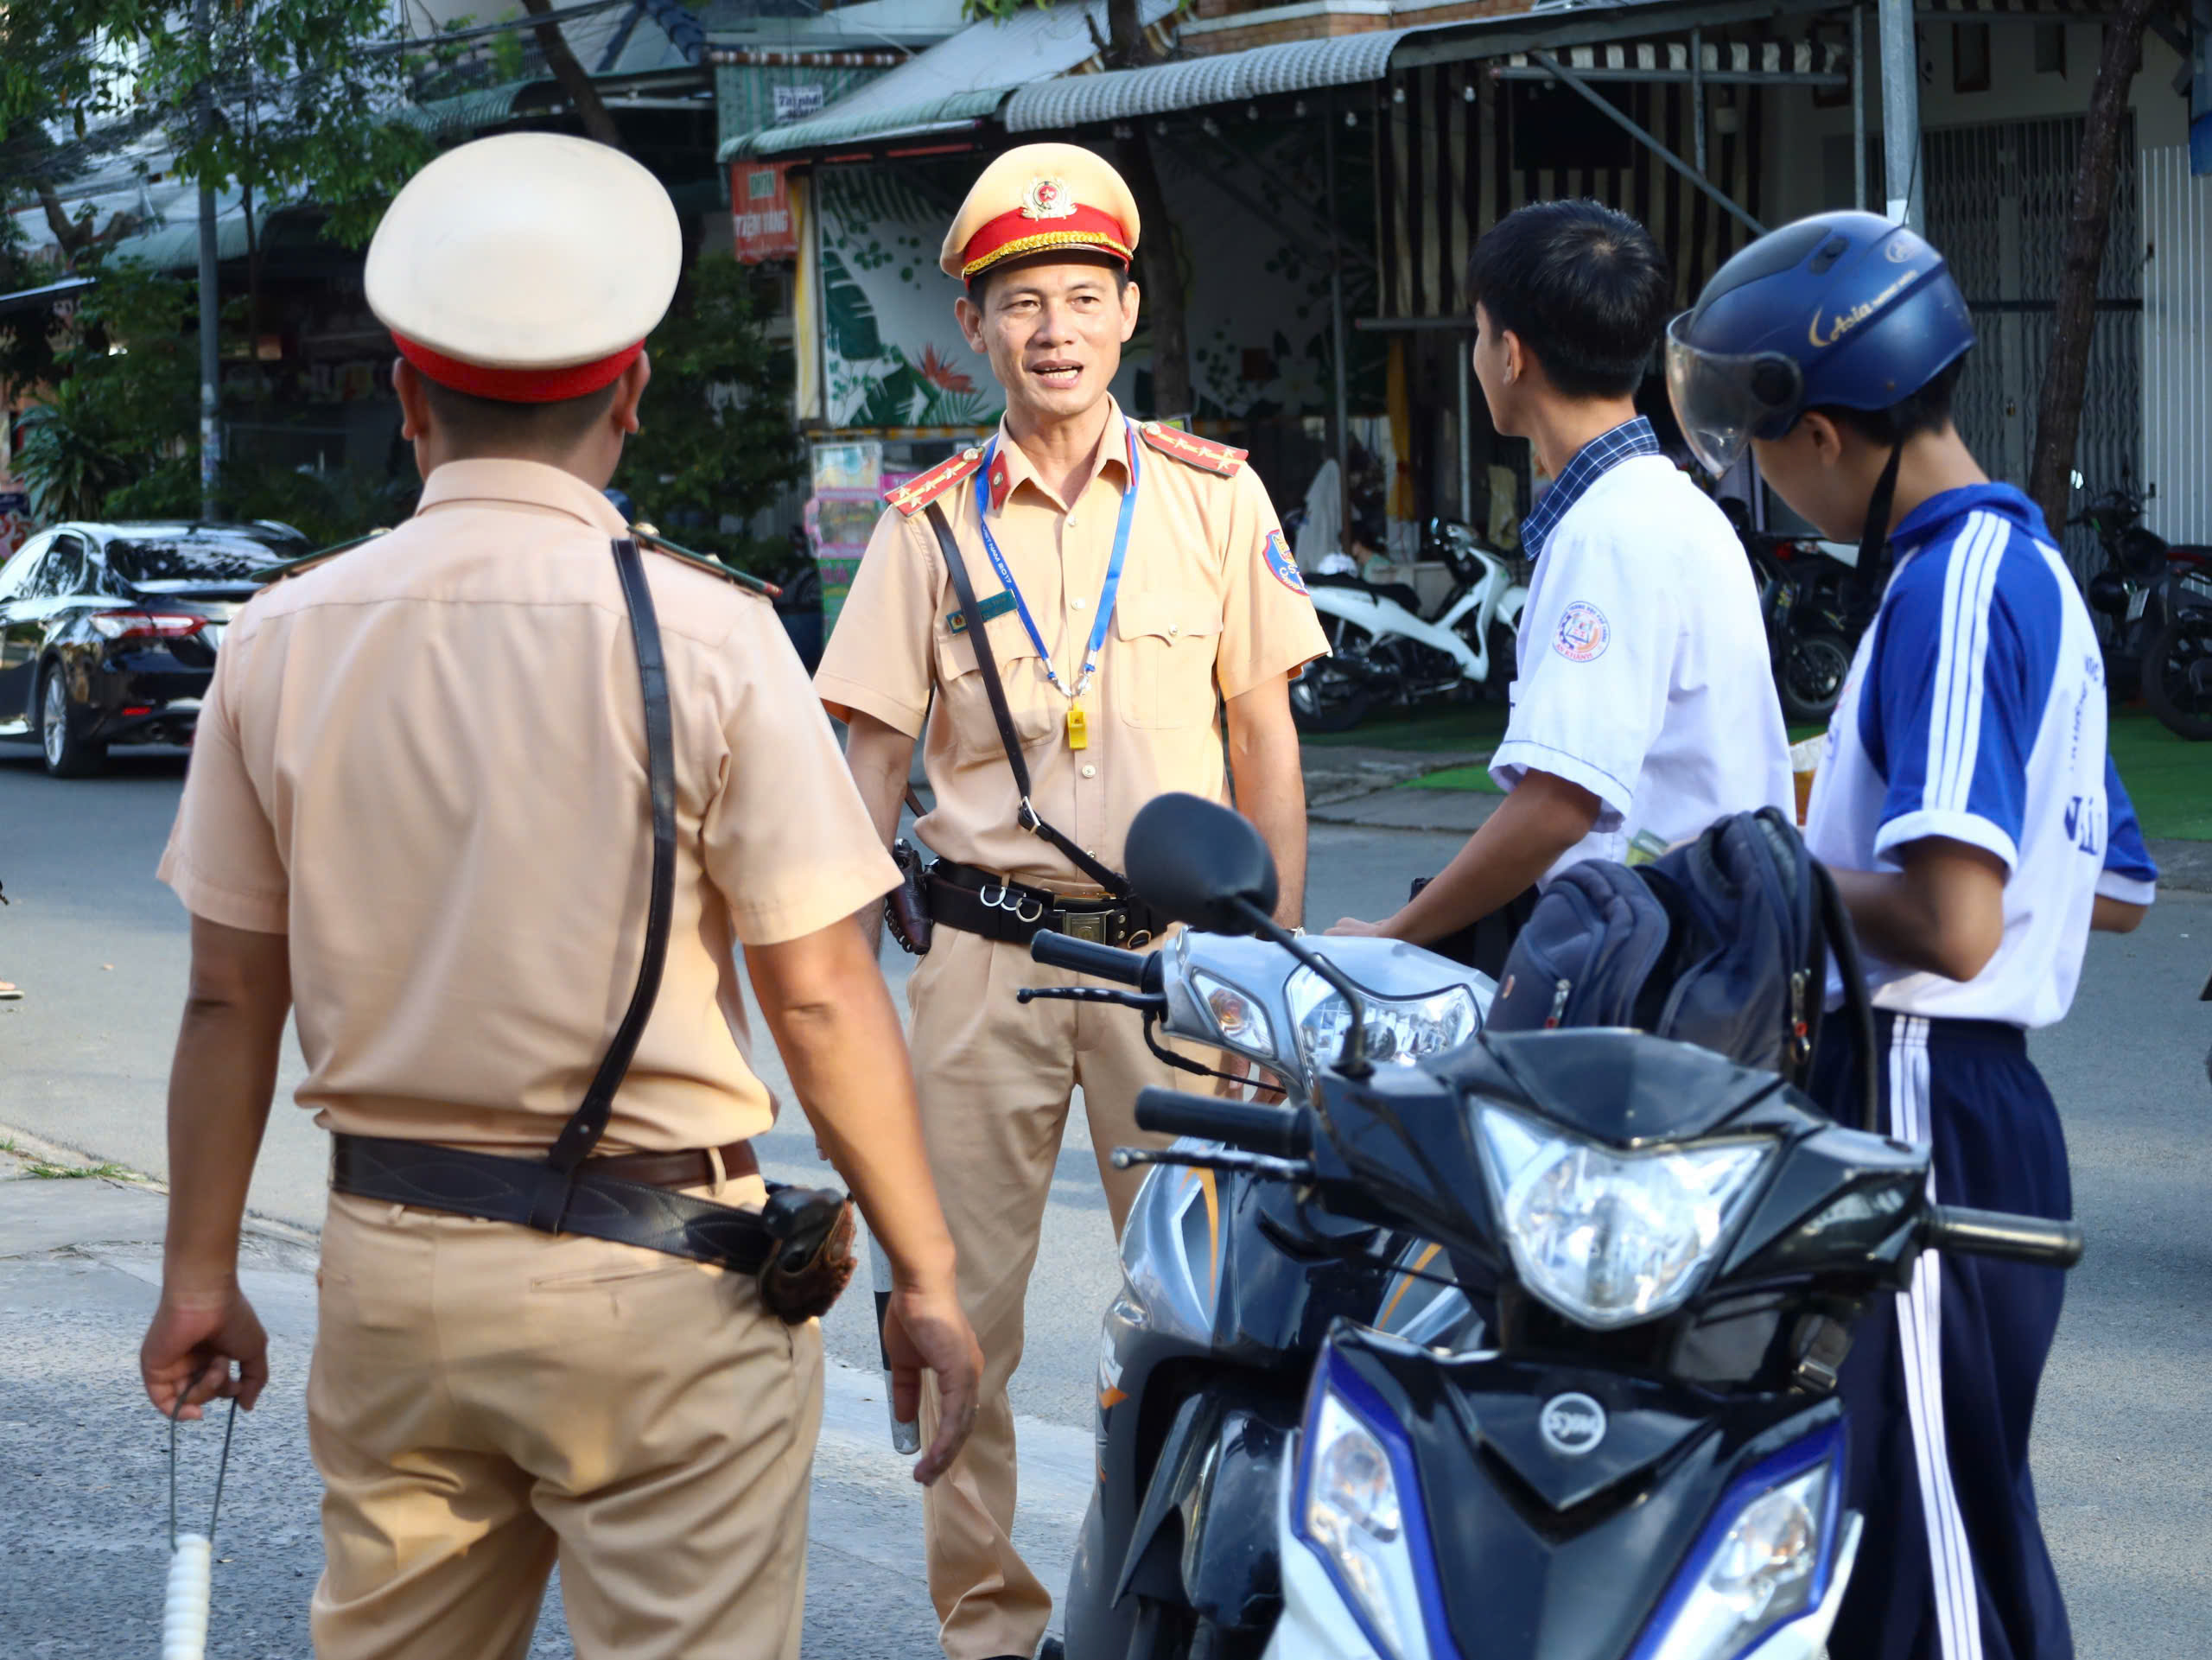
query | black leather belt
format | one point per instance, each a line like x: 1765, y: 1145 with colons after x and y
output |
x: 977, y: 902
x: 600, y: 1204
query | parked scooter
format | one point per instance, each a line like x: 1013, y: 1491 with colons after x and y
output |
x: 2144, y: 581
x: 1815, y: 608
x: 2177, y: 666
x: 1646, y: 1458
x: 1230, y: 1287
x: 1386, y: 648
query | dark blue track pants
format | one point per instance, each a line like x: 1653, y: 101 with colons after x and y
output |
x: 1941, y: 1390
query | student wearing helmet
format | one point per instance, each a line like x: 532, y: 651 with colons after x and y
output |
x: 1968, y: 810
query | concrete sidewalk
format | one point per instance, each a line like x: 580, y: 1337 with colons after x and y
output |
x: 85, y: 1459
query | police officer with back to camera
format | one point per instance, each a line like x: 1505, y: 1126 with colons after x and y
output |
x: 451, y: 791
x: 1123, y: 581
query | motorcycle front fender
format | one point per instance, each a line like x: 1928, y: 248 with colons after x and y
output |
x: 1217, y: 1478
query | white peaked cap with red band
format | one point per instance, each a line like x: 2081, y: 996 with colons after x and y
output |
x: 525, y: 268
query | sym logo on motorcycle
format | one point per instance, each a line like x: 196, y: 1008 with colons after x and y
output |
x: 1573, y: 1425
x: 1608, y: 1432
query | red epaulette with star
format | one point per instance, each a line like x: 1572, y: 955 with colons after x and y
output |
x: 915, y: 494
x: 1204, y: 454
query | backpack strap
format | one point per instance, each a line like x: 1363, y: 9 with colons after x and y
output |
x: 1858, y: 1001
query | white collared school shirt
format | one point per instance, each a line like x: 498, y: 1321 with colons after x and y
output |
x: 1975, y: 711
x: 1643, y: 672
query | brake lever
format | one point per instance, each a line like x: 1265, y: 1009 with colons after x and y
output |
x: 1152, y: 1002
x: 1250, y: 1164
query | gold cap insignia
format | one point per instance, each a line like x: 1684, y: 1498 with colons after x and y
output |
x: 1047, y: 198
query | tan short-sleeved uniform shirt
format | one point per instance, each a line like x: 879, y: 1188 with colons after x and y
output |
x: 425, y: 762
x: 1201, y: 614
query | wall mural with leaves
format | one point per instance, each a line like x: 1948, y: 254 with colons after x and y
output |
x: 1258, y: 288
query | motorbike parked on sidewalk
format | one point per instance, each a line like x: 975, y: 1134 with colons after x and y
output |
x: 1645, y: 1459
x: 1815, y: 606
x: 1228, y: 1290
x: 1385, y: 647
x: 2146, y: 584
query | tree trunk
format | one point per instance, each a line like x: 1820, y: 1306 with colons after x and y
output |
x: 1159, y: 248
x: 599, y: 126
x: 2065, y: 375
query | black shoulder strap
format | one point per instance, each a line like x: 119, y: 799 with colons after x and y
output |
x: 589, y: 1122
x: 1111, y: 881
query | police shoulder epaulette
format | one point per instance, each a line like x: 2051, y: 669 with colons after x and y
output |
x: 1208, y: 456
x: 647, y: 537
x: 307, y: 562
x: 915, y: 494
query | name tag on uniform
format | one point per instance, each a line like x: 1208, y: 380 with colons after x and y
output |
x: 997, y: 606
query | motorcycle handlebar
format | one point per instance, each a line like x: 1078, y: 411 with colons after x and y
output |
x: 1276, y: 1130
x: 1995, y: 1233
x: 1087, y: 956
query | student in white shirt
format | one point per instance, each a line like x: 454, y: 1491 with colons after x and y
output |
x: 1645, y: 708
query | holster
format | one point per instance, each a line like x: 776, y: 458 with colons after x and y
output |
x: 907, y: 908
x: 813, y: 1258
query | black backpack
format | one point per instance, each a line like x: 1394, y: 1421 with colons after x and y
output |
x: 1723, y: 943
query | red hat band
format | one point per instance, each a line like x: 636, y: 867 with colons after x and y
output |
x: 517, y: 385
x: 1021, y: 231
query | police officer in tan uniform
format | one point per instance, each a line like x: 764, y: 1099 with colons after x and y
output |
x: 1130, y: 581
x: 417, y: 817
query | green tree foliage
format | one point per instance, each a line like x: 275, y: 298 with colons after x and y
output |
x: 716, y: 436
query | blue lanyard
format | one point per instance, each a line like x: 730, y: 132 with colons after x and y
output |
x: 1106, y: 594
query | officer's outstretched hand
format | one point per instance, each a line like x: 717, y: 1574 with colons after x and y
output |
x: 927, y: 1330
x: 190, y: 1346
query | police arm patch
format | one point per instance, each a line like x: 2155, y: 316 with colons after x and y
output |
x: 1583, y: 633
x: 1280, y: 563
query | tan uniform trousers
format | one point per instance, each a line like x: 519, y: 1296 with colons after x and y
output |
x: 995, y: 1080
x: 486, y: 1400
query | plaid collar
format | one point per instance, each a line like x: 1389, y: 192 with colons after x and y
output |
x: 1591, y: 462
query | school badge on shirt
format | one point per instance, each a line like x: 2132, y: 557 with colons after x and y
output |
x: 1583, y: 633
x: 1280, y: 563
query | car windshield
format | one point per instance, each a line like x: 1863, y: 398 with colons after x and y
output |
x: 149, y: 564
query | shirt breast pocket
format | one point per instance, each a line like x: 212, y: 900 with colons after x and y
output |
x: 1166, y: 644
x: 964, y: 702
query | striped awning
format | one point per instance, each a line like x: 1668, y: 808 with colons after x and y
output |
x: 1448, y: 169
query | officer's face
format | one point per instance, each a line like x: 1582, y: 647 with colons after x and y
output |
x: 1053, y: 333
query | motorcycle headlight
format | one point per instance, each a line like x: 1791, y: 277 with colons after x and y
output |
x: 1400, y: 1030
x: 1610, y: 1238
x: 1763, y: 1563
x: 1237, y: 1016
x: 1352, y: 1518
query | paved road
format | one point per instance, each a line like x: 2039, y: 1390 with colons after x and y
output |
x: 2125, y: 1444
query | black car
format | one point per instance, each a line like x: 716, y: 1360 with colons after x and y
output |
x: 108, y: 632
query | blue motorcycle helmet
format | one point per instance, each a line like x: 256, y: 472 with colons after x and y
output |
x: 1843, y: 310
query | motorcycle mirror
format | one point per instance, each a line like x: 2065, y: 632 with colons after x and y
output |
x: 1200, y: 864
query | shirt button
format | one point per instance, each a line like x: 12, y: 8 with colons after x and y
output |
x: 1172, y: 630
x: 1091, y: 772
x: 1079, y: 602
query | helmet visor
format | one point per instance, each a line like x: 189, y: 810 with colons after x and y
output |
x: 1722, y: 403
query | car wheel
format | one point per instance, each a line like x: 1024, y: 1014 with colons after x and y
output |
x: 66, y: 754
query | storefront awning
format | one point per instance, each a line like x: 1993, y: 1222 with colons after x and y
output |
x: 1230, y: 78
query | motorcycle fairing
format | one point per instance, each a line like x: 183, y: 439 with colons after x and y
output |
x: 1573, y: 1560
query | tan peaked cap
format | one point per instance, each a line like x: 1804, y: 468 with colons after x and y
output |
x: 527, y: 267
x: 1036, y: 200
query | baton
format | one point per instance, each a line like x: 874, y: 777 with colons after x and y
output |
x: 189, y: 1591
x: 906, y: 1435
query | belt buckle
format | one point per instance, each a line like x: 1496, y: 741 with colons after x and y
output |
x: 1086, y: 925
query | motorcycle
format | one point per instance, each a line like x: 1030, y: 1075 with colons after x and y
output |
x: 1230, y: 1289
x: 2146, y: 586
x: 1815, y: 606
x: 1386, y: 648
x: 1645, y: 1459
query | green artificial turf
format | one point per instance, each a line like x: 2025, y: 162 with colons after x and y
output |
x: 2169, y: 778
x: 1445, y: 728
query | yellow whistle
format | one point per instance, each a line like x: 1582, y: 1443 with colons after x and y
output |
x: 1078, y: 728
